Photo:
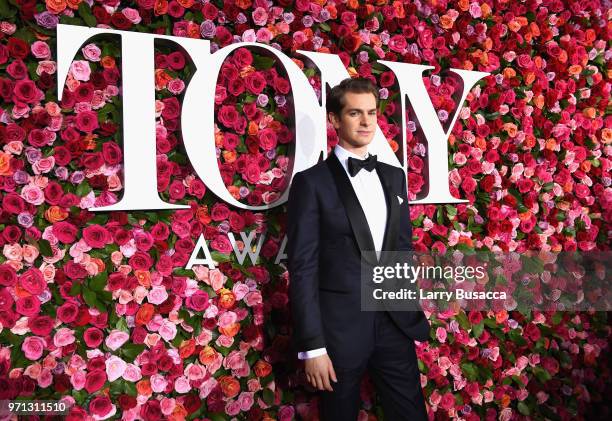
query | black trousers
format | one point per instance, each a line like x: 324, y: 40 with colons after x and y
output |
x: 391, y: 360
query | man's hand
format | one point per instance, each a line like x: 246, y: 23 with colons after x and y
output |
x: 319, y: 371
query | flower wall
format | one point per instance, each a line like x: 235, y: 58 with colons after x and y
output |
x: 98, y: 308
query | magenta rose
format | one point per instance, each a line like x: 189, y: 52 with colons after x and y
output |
x: 95, y: 380
x: 100, y: 406
x: 255, y: 83
x: 68, y: 312
x: 25, y: 91
x: 228, y: 116
x: 141, y: 261
x: 28, y: 306
x: 96, y: 236
x: 65, y: 232
x: 41, y: 325
x: 87, y: 121
x: 219, y: 212
x: 32, y: 281
x: 13, y: 203
x: 267, y: 139
x: 74, y: 270
x: 222, y: 244
x: 6, y: 300
x: 111, y: 153
x: 8, y: 275
x: 198, y: 301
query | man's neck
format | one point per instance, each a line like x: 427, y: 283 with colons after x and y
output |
x: 361, y: 151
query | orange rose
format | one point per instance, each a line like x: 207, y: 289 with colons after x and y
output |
x: 107, y: 62
x: 145, y: 314
x: 73, y: 4
x: 262, y: 368
x: 202, y: 214
x: 5, y: 164
x: 234, y: 191
x: 144, y: 387
x: 144, y: 277
x: 230, y: 330
x: 56, y: 6
x: 229, y: 156
x: 179, y: 413
x: 187, y: 348
x: 244, y: 4
x: 207, y: 355
x: 229, y: 385
x: 186, y: 3
x: 161, y: 7
x: 227, y: 299
x: 55, y: 214
x: 99, y: 264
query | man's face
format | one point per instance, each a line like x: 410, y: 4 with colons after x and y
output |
x: 356, y: 123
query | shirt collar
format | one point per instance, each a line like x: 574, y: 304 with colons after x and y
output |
x: 343, y: 155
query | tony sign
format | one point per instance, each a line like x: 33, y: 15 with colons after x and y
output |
x: 197, y: 119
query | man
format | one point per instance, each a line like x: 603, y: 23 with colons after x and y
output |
x: 339, y: 209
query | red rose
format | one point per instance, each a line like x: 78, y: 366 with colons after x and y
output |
x: 41, y: 325
x: 95, y: 380
x: 171, y: 108
x: 92, y: 160
x: 28, y: 306
x: 74, y: 270
x: 222, y: 244
x: 13, y: 203
x: 141, y: 261
x: 198, y: 301
x: 32, y: 281
x: 242, y: 57
x: 12, y: 234
x: 25, y: 91
x: 53, y: 193
x: 18, y: 48
x: 96, y: 236
x: 127, y: 402
x: 224, y: 36
x: 8, y: 275
x: 219, y: 212
x: 100, y: 406
x: 255, y: 83
x: 14, y: 132
x: 6, y: 300
x: 111, y: 153
x: 176, y: 60
x: 267, y: 139
x: 84, y: 92
x: 62, y: 155
x: 87, y: 121
x: 228, y: 116
x: 67, y: 312
x: 65, y: 232
x: 475, y: 317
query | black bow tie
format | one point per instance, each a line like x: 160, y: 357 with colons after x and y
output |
x: 354, y: 164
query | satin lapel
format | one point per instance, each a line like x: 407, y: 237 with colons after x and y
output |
x: 354, y: 211
x: 392, y: 227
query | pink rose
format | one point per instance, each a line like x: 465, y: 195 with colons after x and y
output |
x: 116, y: 339
x: 80, y: 70
x: 198, y: 301
x: 40, y: 49
x: 33, y: 347
x: 157, y: 295
x: 63, y: 337
x: 101, y: 407
x: 87, y: 121
x: 91, y: 52
x: 167, y: 330
x: 115, y: 367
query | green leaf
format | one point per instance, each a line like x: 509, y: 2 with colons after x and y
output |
x: 6, y: 11
x: 470, y: 370
x: 75, y: 289
x: 98, y: 282
x: 90, y: 297
x: 268, y: 396
x: 85, y: 13
x: 263, y: 63
x: 45, y: 247
x: 131, y: 351
x: 523, y: 408
x: 478, y: 329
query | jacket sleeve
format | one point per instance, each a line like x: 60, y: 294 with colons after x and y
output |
x: 303, y: 264
x: 405, y: 234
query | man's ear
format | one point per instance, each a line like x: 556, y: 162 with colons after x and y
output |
x: 333, y: 119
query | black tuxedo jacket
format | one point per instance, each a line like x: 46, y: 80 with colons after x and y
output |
x: 327, y: 231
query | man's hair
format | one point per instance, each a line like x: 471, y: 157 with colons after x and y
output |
x: 335, y: 96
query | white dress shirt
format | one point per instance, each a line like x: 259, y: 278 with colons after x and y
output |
x: 371, y: 196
